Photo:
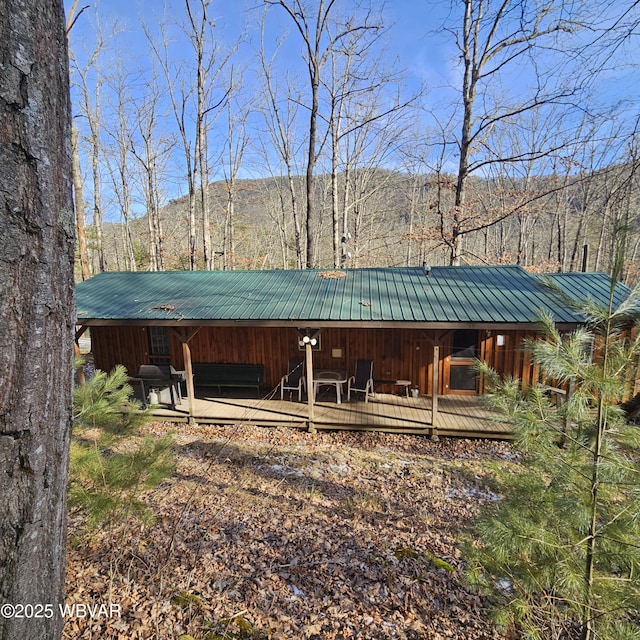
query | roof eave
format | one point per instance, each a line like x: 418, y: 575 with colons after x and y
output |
x: 320, y: 324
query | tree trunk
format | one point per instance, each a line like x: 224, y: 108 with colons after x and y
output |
x: 297, y: 230
x: 229, y: 238
x: 79, y: 204
x: 121, y: 178
x: 193, y: 257
x: 312, y: 224
x: 203, y: 192
x: 335, y: 207
x: 201, y: 164
x: 36, y: 307
x: 98, y: 223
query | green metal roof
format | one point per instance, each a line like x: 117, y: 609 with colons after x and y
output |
x: 384, y: 296
x: 596, y: 286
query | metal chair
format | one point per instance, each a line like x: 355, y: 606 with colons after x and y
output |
x: 294, y: 379
x: 362, y: 381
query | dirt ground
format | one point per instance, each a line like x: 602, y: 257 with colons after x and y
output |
x: 273, y: 533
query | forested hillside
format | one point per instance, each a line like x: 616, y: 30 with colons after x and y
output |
x: 549, y: 226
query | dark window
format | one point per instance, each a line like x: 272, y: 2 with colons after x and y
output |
x: 158, y: 345
x: 464, y: 343
x: 462, y: 378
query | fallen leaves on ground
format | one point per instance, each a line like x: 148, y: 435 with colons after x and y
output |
x: 273, y: 533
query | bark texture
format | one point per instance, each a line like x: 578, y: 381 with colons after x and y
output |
x: 36, y: 310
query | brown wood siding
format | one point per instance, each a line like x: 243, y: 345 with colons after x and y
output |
x: 391, y: 350
x: 396, y: 353
x: 119, y: 345
x: 510, y: 358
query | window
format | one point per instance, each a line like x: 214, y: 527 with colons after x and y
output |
x: 464, y: 344
x: 463, y: 378
x: 158, y: 345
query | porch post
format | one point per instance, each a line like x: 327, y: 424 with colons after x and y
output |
x: 186, y: 354
x: 434, y: 391
x: 184, y: 336
x: 309, y: 360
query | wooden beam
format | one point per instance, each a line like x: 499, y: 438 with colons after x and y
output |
x: 309, y: 337
x: 435, y: 336
x: 434, y: 391
x: 186, y: 354
x: 78, y: 354
x: 309, y: 361
x: 80, y: 332
x: 185, y: 335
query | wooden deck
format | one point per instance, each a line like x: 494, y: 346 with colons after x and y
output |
x: 458, y: 416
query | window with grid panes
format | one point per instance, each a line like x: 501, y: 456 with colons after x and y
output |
x: 158, y: 345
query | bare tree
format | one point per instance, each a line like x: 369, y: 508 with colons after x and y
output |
x: 412, y: 192
x: 209, y: 66
x: 153, y: 148
x: 89, y: 83
x: 280, y: 117
x: 235, y: 147
x: 618, y: 225
x: 191, y: 92
x: 495, y: 35
x: 78, y: 182
x: 80, y: 207
x: 365, y: 115
x: 364, y: 139
x: 199, y: 30
x: 322, y: 35
x: 118, y: 162
x: 179, y: 94
x: 37, y: 309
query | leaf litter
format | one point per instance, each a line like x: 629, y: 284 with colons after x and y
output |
x: 274, y: 533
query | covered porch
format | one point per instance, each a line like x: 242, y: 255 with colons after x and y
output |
x: 422, y: 328
x: 456, y: 416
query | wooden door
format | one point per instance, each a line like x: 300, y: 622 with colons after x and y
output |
x: 458, y: 366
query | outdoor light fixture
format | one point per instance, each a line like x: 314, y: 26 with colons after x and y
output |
x: 309, y: 337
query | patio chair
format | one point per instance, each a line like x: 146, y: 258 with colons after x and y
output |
x: 362, y: 381
x: 294, y: 379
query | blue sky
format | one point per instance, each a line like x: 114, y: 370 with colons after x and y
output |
x: 411, y: 28
x: 415, y: 35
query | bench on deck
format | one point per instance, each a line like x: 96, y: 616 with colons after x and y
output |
x: 227, y: 375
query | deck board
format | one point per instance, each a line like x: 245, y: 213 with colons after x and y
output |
x: 461, y: 416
